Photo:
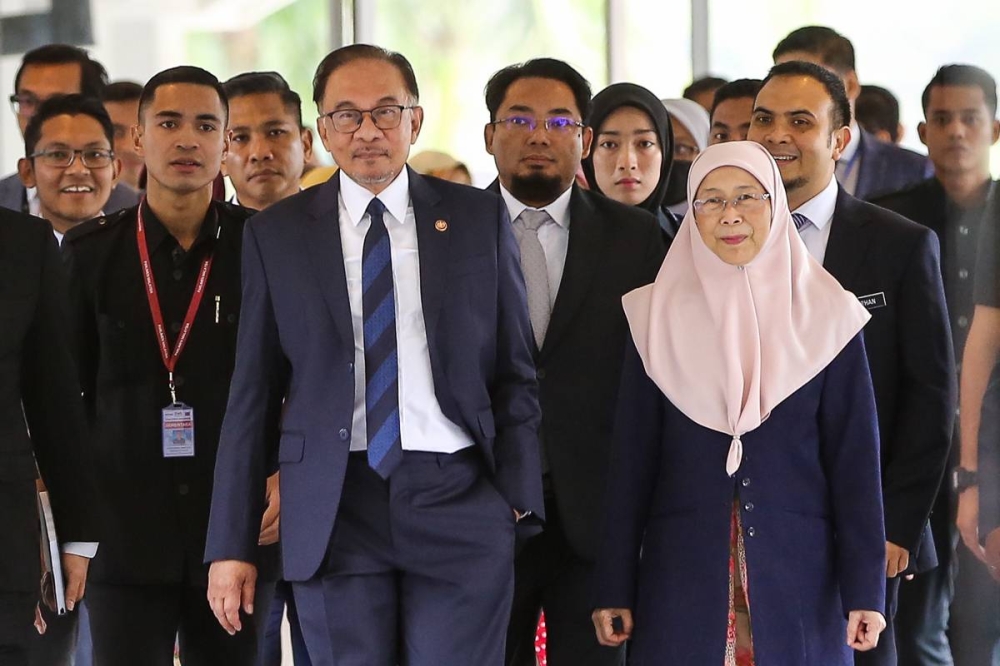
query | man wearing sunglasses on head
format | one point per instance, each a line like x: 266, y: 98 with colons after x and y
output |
x: 46, y: 72
x: 580, y: 252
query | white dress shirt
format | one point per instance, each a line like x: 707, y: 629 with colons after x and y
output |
x: 849, y: 164
x: 554, y: 238
x: 422, y: 425
x: 819, y: 210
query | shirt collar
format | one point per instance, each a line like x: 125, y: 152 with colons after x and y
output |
x: 395, y: 198
x: 851, y: 149
x: 820, y: 208
x: 156, y: 233
x: 558, y: 210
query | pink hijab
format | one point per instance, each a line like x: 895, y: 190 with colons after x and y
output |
x: 726, y: 344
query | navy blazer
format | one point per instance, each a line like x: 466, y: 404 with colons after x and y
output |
x: 296, y: 344
x: 13, y: 195
x: 885, y: 167
x: 810, y: 507
x: 894, y: 266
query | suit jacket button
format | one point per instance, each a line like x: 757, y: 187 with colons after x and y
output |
x: 751, y: 531
x: 748, y: 506
x: 541, y: 373
x: 746, y: 482
x: 345, y: 434
x: 350, y: 368
x: 183, y: 489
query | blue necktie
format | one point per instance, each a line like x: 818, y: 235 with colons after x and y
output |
x: 800, y: 221
x: 381, y: 363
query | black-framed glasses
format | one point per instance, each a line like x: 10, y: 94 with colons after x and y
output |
x: 385, y: 117
x: 744, y: 203
x: 530, y: 124
x: 62, y: 158
x: 24, y: 104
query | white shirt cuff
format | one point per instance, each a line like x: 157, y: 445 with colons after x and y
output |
x: 82, y: 548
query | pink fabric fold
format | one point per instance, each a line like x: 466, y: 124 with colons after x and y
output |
x: 726, y: 344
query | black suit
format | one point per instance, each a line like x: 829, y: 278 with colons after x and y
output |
x: 37, y: 374
x: 893, y: 265
x: 613, y: 249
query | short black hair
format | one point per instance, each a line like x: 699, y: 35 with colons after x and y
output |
x: 703, y: 84
x: 354, y: 52
x: 265, y: 83
x: 737, y: 89
x: 539, y: 68
x: 877, y: 110
x: 182, y: 74
x: 840, y: 113
x: 832, y: 48
x: 963, y: 75
x: 66, y: 105
x: 122, y: 91
x: 93, y: 76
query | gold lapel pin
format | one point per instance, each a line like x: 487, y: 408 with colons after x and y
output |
x: 441, y: 225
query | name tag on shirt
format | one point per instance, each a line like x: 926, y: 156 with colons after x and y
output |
x: 178, y: 431
x: 873, y: 301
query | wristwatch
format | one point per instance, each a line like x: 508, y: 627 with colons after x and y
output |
x: 962, y: 479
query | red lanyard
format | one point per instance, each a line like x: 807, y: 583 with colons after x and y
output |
x: 169, y: 359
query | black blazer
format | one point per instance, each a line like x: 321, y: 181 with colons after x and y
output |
x: 37, y: 373
x: 613, y: 249
x: 894, y: 266
x: 886, y: 167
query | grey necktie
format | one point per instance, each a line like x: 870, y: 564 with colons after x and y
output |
x: 535, y: 269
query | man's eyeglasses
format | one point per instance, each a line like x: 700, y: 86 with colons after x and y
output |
x: 529, y: 124
x: 744, y: 203
x: 24, y: 104
x: 62, y: 158
x: 385, y: 117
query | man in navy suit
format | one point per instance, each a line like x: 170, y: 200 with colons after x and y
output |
x: 384, y: 314
x: 893, y: 265
x: 867, y: 167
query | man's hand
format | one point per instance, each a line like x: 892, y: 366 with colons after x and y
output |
x: 40, y: 625
x: 897, y: 559
x: 272, y: 514
x: 992, y: 552
x: 968, y: 521
x: 603, y: 619
x: 75, y: 575
x: 863, y: 628
x: 230, y: 587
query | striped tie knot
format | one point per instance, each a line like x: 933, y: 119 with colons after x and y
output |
x: 800, y: 221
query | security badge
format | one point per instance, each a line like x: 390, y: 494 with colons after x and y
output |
x: 873, y: 301
x: 178, y: 431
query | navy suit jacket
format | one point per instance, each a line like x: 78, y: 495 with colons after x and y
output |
x: 296, y: 344
x: 894, y: 266
x: 886, y: 167
x: 13, y: 193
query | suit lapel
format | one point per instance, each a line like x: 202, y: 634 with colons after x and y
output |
x: 322, y: 244
x: 848, y: 242
x: 582, y: 257
x: 433, y: 242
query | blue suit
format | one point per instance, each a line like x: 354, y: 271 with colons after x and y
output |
x: 295, y: 356
x: 885, y: 167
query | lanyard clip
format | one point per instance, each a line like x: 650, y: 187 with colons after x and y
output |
x: 173, y: 387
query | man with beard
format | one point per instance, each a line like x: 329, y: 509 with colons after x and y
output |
x: 575, y: 284
x: 802, y: 116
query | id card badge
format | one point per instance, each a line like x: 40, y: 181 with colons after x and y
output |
x: 178, y: 431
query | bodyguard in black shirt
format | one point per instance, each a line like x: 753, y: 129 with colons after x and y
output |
x: 157, y: 300
x: 959, y: 203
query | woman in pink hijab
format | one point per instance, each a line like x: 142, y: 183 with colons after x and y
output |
x: 744, y: 513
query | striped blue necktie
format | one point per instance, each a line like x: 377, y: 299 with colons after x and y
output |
x: 381, y: 363
x: 800, y: 221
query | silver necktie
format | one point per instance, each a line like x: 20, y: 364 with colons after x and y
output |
x: 535, y: 269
